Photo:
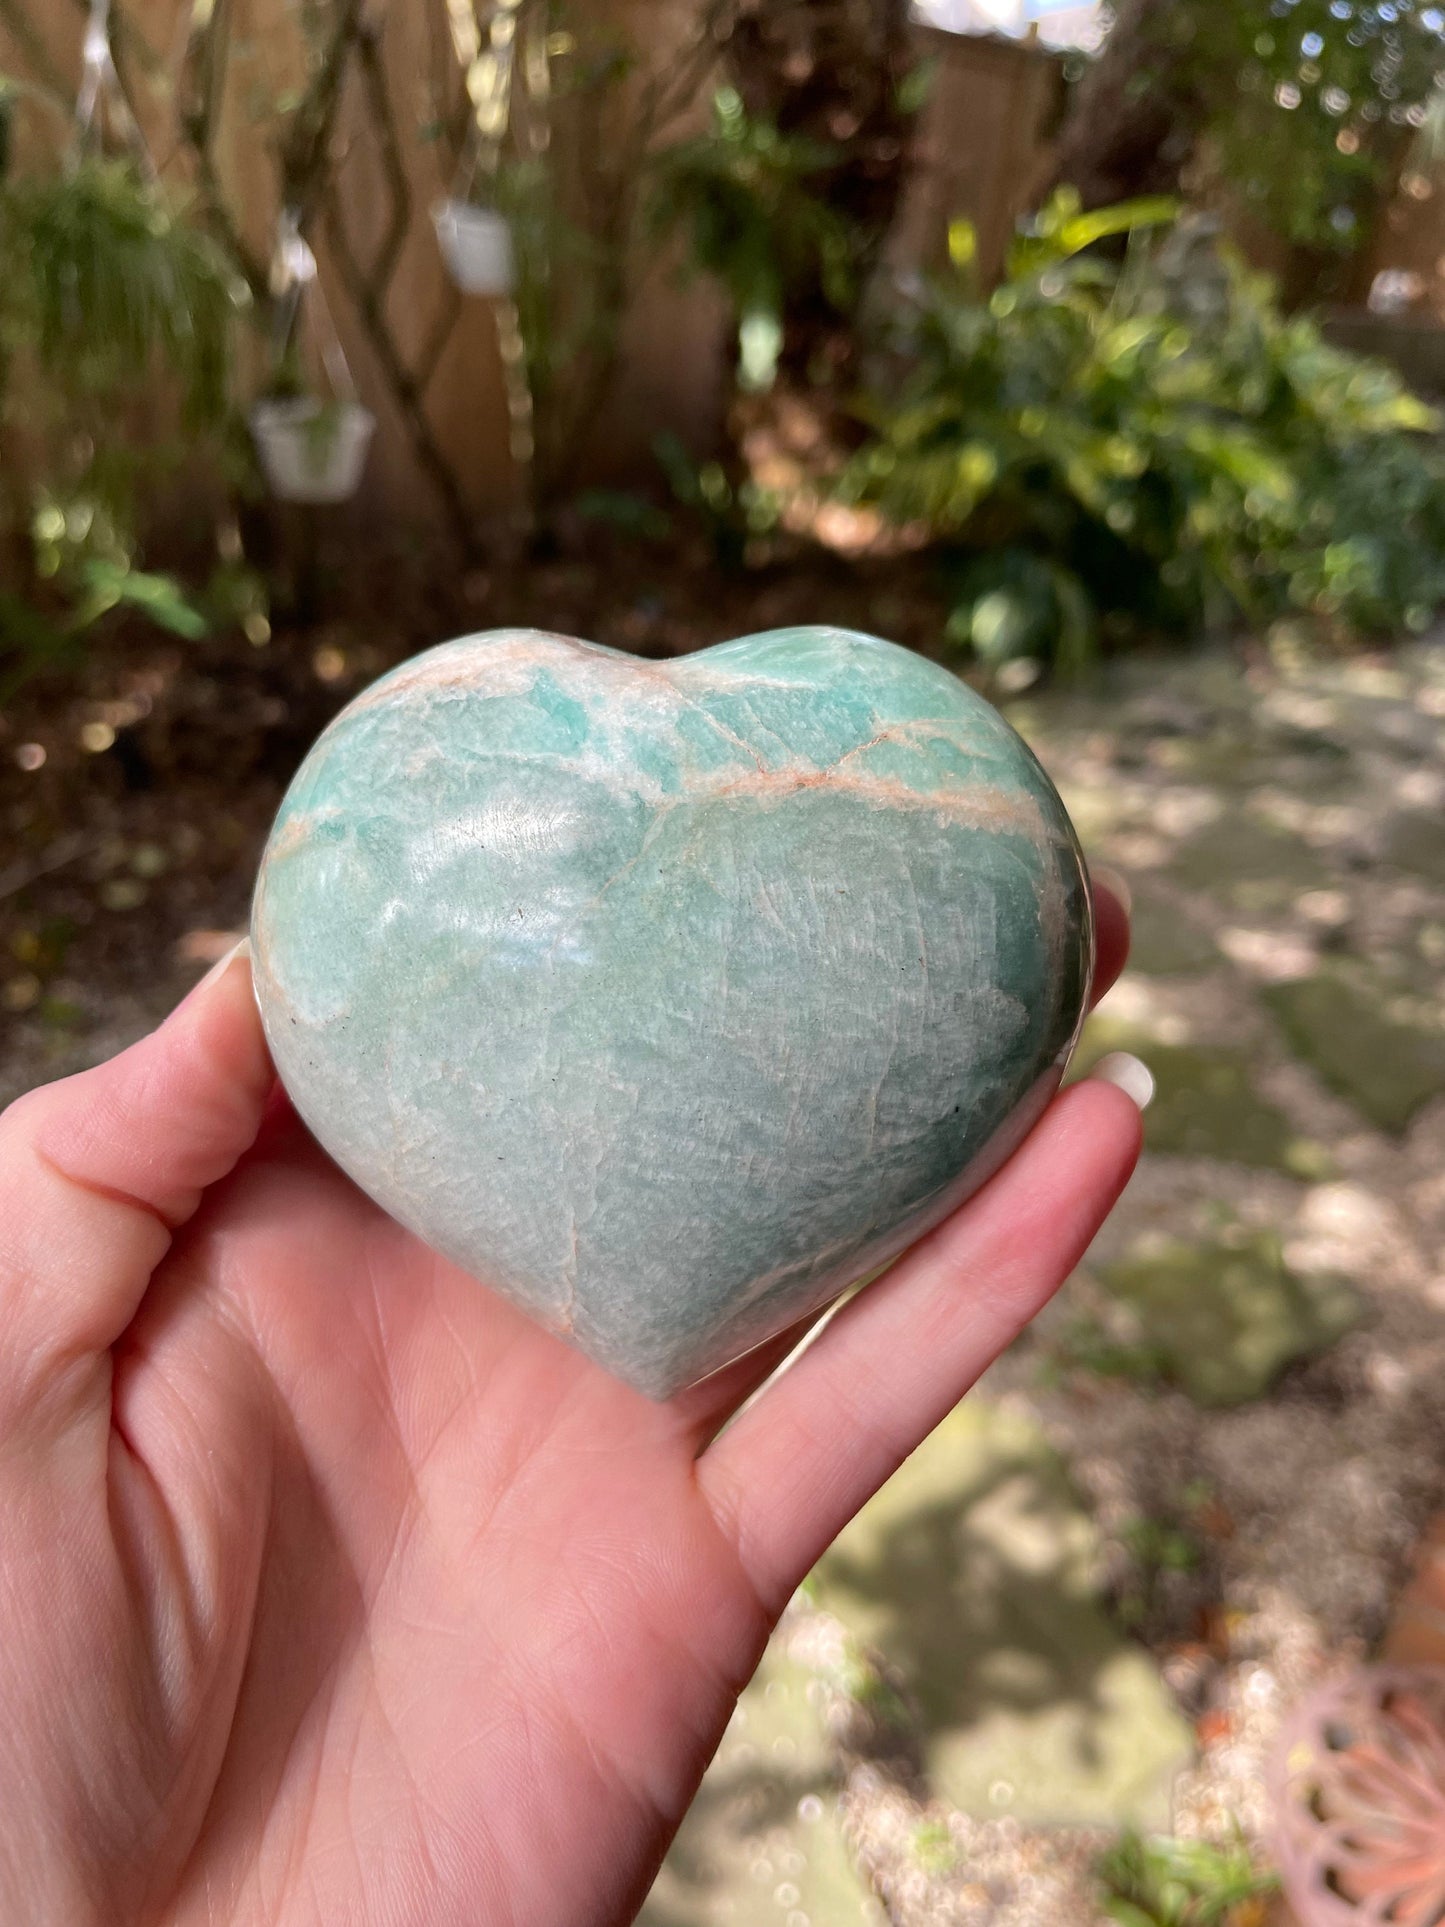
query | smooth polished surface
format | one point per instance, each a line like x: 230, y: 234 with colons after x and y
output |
x: 670, y: 998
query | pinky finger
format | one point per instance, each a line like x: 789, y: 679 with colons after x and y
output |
x: 793, y: 1469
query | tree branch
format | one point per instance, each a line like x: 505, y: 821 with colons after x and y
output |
x: 202, y: 70
x: 388, y: 254
x: 304, y: 145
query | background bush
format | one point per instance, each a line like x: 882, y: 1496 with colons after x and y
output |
x: 116, y: 318
x: 1105, y: 447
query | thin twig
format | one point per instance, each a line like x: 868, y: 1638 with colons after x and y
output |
x: 202, y: 69
x: 303, y: 148
x: 677, y: 85
x: 19, y: 876
x: 203, y: 66
x: 388, y: 253
x: 408, y: 384
x: 616, y: 194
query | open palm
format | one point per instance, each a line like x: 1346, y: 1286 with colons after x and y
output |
x: 332, y: 1589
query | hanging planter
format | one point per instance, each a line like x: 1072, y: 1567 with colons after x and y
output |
x: 1357, y: 1785
x: 312, y: 450
x: 476, y: 244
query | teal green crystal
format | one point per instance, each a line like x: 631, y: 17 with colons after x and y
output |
x: 670, y: 999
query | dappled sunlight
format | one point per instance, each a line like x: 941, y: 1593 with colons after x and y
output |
x: 1271, y: 956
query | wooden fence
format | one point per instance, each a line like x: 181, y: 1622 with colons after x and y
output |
x: 427, y: 360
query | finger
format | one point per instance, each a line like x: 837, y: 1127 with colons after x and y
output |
x: 97, y: 1171
x: 1111, y: 927
x: 789, y: 1474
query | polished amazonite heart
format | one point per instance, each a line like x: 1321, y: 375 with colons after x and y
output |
x: 669, y: 999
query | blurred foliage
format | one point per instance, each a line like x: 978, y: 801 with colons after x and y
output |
x: 1157, y: 1548
x: 747, y: 199
x: 731, y: 510
x: 111, y: 280
x: 1164, y: 1882
x: 626, y: 512
x: 115, y: 312
x: 1104, y: 449
x: 1311, y: 104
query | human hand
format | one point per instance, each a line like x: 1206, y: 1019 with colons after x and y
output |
x: 334, y: 1590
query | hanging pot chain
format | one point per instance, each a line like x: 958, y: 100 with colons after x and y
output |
x: 96, y: 67
x: 100, y: 86
x: 297, y: 292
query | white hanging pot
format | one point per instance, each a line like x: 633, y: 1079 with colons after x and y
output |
x: 312, y: 450
x: 476, y: 244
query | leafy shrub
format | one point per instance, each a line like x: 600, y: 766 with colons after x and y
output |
x: 1103, y: 449
x: 1164, y: 1882
x: 729, y: 511
x: 1312, y: 143
x: 112, y: 305
x: 747, y: 197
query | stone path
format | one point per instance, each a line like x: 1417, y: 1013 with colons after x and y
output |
x: 764, y: 1842
x: 1088, y: 1599
x: 976, y: 1575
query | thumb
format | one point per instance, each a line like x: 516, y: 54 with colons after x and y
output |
x: 98, y: 1171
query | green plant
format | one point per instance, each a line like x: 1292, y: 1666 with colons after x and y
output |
x: 114, y: 282
x: 625, y: 512
x: 1157, y: 1546
x: 1310, y: 109
x: 743, y: 195
x: 860, y: 1678
x: 115, y: 314
x: 1165, y: 1882
x: 1087, y: 1345
x: 1302, y: 117
x: 731, y: 512
x: 935, y: 1849
x: 1161, y: 1548
x: 1105, y: 448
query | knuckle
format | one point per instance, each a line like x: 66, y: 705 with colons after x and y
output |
x: 21, y: 1119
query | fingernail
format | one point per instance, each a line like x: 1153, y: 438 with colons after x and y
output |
x: 1115, y: 882
x: 219, y: 968
x: 1127, y: 1073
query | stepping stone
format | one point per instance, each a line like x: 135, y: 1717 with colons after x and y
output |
x: 1248, y: 864
x: 1223, y: 759
x: 1415, y: 842
x: 1163, y: 941
x: 1350, y: 1029
x: 1205, y: 1104
x: 1226, y: 1318
x: 973, y: 1572
x: 762, y: 1845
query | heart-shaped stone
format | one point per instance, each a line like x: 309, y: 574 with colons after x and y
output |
x: 669, y: 999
